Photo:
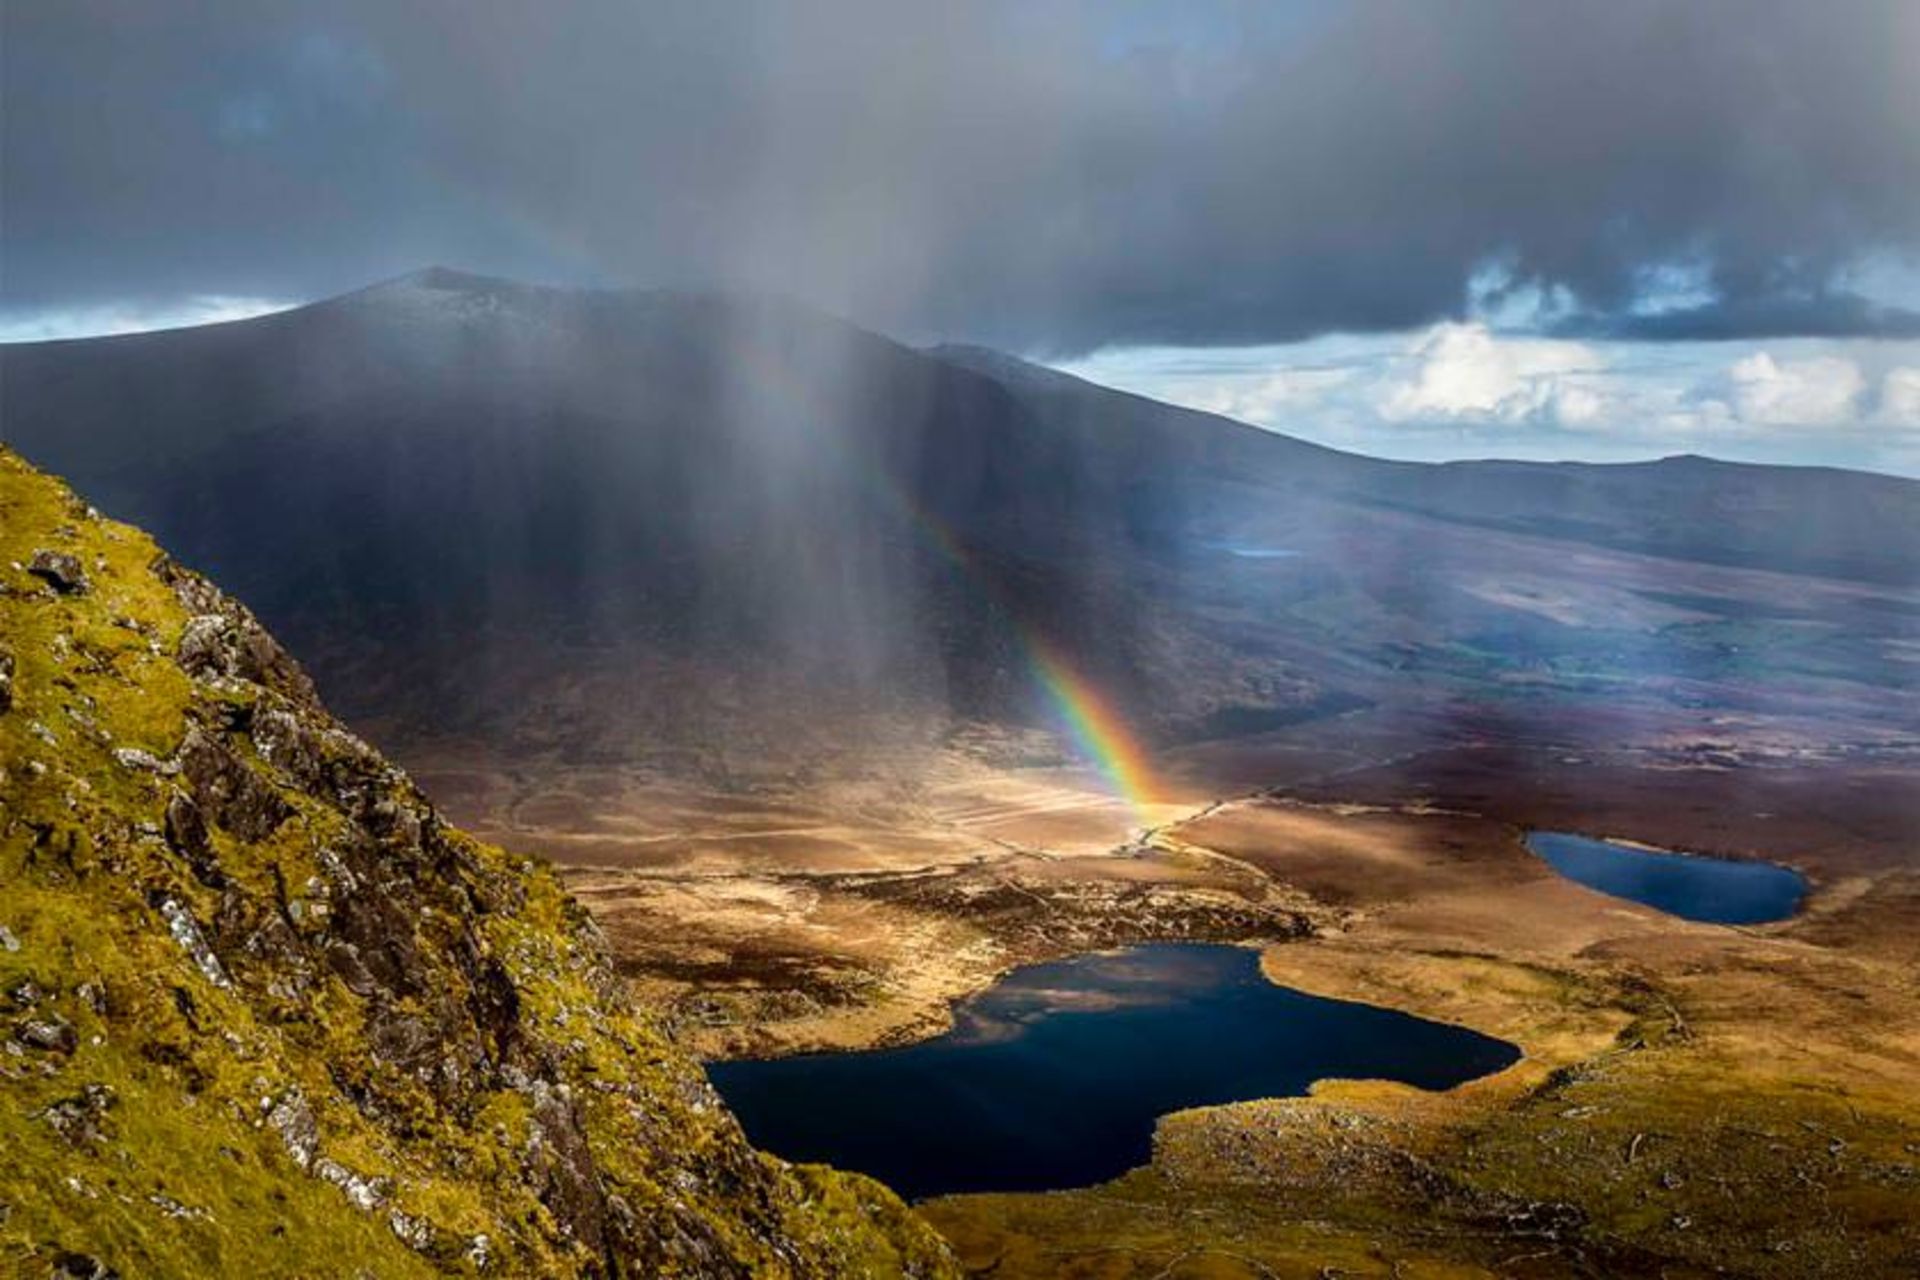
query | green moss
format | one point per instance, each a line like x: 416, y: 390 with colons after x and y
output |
x: 153, y: 1141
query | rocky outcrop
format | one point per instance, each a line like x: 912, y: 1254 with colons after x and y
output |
x: 266, y: 1012
x: 59, y: 570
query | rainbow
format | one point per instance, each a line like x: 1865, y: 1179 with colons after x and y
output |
x: 1098, y: 728
x: 1096, y: 725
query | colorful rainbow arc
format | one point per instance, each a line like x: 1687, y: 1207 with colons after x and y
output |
x: 1097, y: 726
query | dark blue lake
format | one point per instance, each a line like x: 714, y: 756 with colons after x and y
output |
x: 1716, y: 890
x: 1054, y: 1077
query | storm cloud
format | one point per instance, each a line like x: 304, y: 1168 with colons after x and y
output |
x: 1054, y: 178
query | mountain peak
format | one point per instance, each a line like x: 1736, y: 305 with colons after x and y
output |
x: 454, y: 280
x: 446, y: 283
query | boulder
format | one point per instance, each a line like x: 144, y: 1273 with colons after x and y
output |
x: 59, y: 570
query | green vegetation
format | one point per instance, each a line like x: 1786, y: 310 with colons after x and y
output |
x: 264, y: 1013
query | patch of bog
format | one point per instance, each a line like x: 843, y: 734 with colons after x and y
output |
x: 1714, y: 890
x: 1054, y: 1077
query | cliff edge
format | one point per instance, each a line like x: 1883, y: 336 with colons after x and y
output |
x: 264, y: 1012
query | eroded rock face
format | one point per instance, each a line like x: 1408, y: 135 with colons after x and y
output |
x: 367, y: 1013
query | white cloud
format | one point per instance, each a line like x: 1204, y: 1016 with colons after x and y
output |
x: 131, y: 317
x: 1900, y: 397
x: 1471, y: 391
x: 1268, y: 397
x: 1814, y: 391
x: 1456, y: 371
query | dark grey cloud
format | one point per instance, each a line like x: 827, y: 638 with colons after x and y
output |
x: 1828, y: 314
x: 1054, y: 177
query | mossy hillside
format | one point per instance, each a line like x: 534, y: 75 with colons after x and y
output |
x: 265, y: 1013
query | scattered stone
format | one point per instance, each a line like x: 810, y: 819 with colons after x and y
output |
x: 364, y: 1192
x: 78, y: 1119
x: 52, y: 1034
x: 180, y: 924
x: 173, y: 1208
x: 292, y: 1119
x: 135, y: 758
x: 416, y: 1233
x: 7, y: 941
x: 6, y: 681
x: 59, y: 570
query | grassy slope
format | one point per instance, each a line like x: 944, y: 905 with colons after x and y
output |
x: 471, y: 1073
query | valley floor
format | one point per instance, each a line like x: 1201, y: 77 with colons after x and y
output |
x: 1694, y: 1099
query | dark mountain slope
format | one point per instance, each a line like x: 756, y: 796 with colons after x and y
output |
x: 1820, y: 520
x: 266, y: 1013
x: 620, y: 524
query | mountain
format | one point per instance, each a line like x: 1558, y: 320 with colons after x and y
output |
x: 719, y: 533
x: 266, y: 1013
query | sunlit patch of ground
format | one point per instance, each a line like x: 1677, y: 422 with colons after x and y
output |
x: 854, y: 911
x: 1692, y: 1097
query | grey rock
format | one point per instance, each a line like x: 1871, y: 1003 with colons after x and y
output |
x: 79, y: 1119
x: 53, y: 1034
x: 232, y: 794
x: 292, y: 1119
x: 417, y: 1233
x: 173, y: 1208
x: 186, y: 835
x: 364, y: 1192
x: 186, y: 932
x: 82, y: 1266
x: 59, y: 570
x: 135, y: 758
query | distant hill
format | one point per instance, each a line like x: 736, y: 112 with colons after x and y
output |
x: 614, y: 524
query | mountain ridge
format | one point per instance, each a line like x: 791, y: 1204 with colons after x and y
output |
x: 459, y: 518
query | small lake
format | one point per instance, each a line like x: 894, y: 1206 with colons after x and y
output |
x: 1054, y: 1077
x: 1714, y: 890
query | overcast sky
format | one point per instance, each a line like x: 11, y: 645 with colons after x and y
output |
x: 1600, y: 230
